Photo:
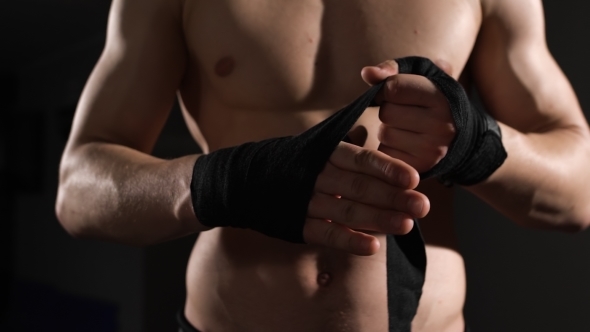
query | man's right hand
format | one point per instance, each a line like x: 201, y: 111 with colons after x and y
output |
x: 362, y: 190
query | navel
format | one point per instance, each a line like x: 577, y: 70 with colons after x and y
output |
x: 324, y: 279
x: 225, y: 66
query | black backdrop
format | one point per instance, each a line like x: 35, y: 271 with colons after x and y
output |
x: 518, y: 279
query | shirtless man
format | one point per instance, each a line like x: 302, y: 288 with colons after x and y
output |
x: 251, y: 70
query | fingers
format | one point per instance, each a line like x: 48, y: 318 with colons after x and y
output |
x: 374, y: 163
x: 421, y: 163
x: 359, y: 216
x: 333, y: 235
x: 365, y: 189
x: 411, y: 89
x: 417, y: 135
x: 375, y: 74
x: 376, y: 195
x: 417, y: 119
x: 419, y: 145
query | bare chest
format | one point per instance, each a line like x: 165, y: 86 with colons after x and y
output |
x: 307, y: 54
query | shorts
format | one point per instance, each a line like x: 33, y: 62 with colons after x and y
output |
x: 185, y: 326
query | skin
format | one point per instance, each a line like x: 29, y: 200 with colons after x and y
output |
x: 247, y: 72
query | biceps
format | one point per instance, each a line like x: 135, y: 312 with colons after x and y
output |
x: 132, y: 88
x: 519, y: 81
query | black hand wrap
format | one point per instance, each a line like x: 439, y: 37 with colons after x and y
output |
x: 266, y: 186
x: 477, y: 150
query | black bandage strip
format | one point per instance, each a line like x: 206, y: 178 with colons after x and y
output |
x: 477, y: 150
x: 266, y: 186
x: 406, y: 268
x: 406, y: 255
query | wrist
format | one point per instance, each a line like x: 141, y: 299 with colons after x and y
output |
x: 476, y: 151
x: 183, y: 205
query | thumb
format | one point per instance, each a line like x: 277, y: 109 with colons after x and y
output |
x: 375, y: 74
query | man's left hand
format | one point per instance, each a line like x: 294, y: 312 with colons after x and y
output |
x: 416, y: 123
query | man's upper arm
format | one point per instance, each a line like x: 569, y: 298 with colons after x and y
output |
x: 132, y: 88
x: 518, y: 79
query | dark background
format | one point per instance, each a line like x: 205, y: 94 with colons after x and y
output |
x: 518, y: 279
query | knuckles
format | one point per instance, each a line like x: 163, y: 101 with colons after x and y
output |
x: 447, y: 128
x: 392, y: 87
x: 348, y: 211
x: 359, y: 186
x: 387, y: 114
x: 363, y: 159
x: 330, y: 236
x: 438, y: 152
x: 393, y: 197
x: 314, y: 203
x: 390, y: 64
x: 368, y: 160
x: 385, y: 135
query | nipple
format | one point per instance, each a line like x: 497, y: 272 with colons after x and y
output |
x: 224, y: 66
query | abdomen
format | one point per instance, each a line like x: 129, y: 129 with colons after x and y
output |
x: 239, y: 280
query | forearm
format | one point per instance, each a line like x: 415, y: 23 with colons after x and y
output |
x: 543, y: 183
x: 115, y: 193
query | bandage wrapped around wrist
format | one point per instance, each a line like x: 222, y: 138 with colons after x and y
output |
x: 476, y: 151
x: 266, y: 186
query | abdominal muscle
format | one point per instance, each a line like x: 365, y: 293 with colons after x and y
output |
x: 240, y: 280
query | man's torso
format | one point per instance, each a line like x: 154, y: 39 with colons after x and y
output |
x: 260, y: 69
